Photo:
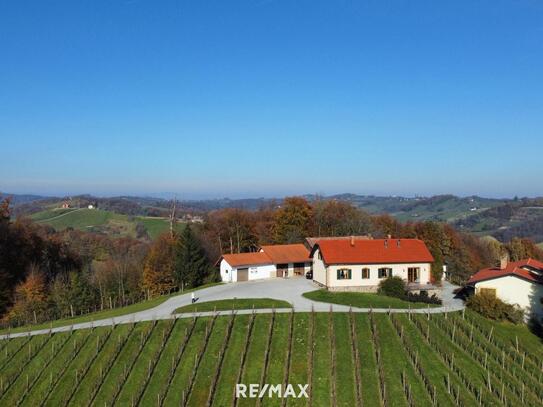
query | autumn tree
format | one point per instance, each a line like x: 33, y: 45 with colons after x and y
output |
x: 338, y: 218
x: 293, y: 221
x: 159, y: 269
x: 31, y: 299
x: 232, y: 230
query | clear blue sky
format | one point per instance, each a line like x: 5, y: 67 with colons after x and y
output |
x: 267, y: 98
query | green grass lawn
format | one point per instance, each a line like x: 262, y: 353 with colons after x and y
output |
x: 53, y: 371
x: 236, y: 303
x: 362, y: 300
x: 110, y: 313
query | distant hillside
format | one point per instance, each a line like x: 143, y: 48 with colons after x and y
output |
x: 521, y: 218
x: 17, y: 199
x: 101, y: 221
x: 501, y: 218
x: 445, y: 208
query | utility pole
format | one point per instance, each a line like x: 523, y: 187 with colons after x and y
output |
x: 172, y: 216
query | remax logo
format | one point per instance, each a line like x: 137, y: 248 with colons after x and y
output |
x: 271, y: 390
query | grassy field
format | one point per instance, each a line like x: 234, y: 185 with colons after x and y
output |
x: 236, y: 303
x: 347, y: 360
x: 109, y: 313
x: 363, y: 300
x: 98, y: 220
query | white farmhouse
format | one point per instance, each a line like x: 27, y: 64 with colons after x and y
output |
x: 270, y: 262
x: 361, y: 264
x: 519, y: 282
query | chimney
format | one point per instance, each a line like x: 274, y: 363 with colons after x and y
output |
x: 352, y: 241
x: 386, y: 243
x: 389, y: 236
x: 398, y: 242
x: 503, y: 261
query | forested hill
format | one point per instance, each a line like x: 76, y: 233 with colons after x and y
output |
x: 517, y: 218
x: 501, y: 218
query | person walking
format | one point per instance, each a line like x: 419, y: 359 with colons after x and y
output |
x: 192, y: 297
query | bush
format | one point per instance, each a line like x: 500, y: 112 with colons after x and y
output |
x: 423, y: 297
x: 393, y: 287
x: 491, y: 307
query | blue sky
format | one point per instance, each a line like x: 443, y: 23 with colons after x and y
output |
x: 270, y: 98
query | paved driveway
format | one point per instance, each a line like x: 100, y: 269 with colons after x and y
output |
x: 290, y: 290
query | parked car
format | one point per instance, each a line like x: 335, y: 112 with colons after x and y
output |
x: 309, y: 275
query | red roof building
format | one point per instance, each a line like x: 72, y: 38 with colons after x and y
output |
x: 361, y: 264
x: 270, y: 261
x: 528, y: 269
x: 376, y: 251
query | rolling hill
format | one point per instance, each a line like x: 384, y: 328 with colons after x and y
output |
x: 101, y: 221
x: 346, y: 360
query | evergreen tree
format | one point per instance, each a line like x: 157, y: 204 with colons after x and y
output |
x: 192, y: 267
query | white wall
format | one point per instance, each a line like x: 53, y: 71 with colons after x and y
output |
x: 260, y: 272
x: 514, y: 290
x: 319, y: 269
x: 399, y: 270
x: 230, y: 274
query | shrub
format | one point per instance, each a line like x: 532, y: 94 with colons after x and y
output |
x: 393, y: 287
x: 423, y: 297
x: 491, y: 307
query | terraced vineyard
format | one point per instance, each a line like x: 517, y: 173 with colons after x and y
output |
x: 347, y: 360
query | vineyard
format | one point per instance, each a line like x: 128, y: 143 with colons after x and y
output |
x: 347, y: 359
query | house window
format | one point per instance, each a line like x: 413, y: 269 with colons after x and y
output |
x: 488, y: 291
x: 365, y: 273
x: 344, y: 274
x: 385, y: 272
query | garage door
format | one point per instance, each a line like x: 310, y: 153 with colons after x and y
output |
x: 282, y: 270
x: 243, y: 274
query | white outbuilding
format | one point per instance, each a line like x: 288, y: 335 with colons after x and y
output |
x: 270, y: 262
x: 518, y: 283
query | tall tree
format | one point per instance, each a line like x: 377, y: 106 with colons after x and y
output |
x: 192, y: 266
x: 293, y: 221
x: 159, y: 269
x: 31, y: 298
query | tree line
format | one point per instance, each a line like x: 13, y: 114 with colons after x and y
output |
x: 47, y: 274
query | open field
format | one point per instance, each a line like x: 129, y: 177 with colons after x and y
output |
x: 97, y: 220
x: 347, y: 359
x: 236, y: 303
x: 363, y: 300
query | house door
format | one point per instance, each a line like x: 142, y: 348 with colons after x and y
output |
x: 412, y: 274
x: 243, y: 274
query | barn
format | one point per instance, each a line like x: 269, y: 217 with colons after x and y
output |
x: 271, y: 261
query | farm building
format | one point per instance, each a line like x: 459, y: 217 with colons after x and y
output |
x: 360, y: 264
x: 518, y: 282
x: 270, y: 262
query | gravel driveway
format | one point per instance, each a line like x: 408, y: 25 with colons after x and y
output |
x: 290, y: 290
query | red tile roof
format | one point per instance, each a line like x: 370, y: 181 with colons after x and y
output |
x: 272, y: 254
x: 247, y: 259
x: 512, y: 269
x: 312, y: 241
x: 287, y: 253
x: 376, y: 251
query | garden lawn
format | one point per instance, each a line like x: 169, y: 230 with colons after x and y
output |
x: 230, y: 304
x: 362, y: 300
